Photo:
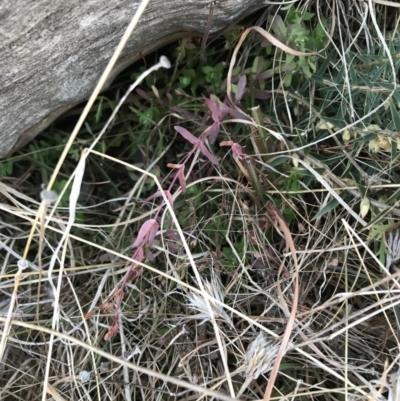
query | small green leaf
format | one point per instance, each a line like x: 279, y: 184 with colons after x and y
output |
x: 278, y: 26
x: 308, y: 16
x: 361, y: 188
x: 365, y: 138
x: 99, y: 111
x: 254, y: 68
x: 278, y: 161
x: 395, y: 115
x: 207, y: 69
x: 327, y: 208
x: 378, y: 231
x: 184, y: 81
x: 306, y: 70
x: 393, y: 149
x: 378, y: 73
x: 6, y: 168
x: 396, y: 95
x: 338, y: 123
x: 288, y: 79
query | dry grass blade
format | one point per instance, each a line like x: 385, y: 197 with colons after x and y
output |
x: 276, y: 216
x: 22, y: 265
x: 121, y: 361
x: 385, y: 3
x: 73, y: 200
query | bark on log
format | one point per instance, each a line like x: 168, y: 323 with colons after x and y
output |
x: 54, y: 51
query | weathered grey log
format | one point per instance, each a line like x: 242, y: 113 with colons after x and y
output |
x: 52, y: 52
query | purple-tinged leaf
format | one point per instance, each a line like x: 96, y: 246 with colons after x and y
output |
x: 174, y: 241
x: 197, y: 142
x: 239, y: 115
x: 237, y: 151
x: 182, y: 180
x: 152, y: 232
x: 146, y: 234
x: 260, y: 63
x: 261, y: 94
x: 136, y: 270
x: 222, y: 109
x: 112, y: 331
x: 151, y: 197
x: 169, y: 197
x: 266, y: 43
x: 143, y: 94
x: 172, y: 165
x: 183, y: 113
x: 213, y: 106
x: 213, y: 132
x: 207, y: 154
x: 262, y: 76
x: 173, y: 235
x: 241, y: 86
x: 214, y: 98
x: 139, y: 255
x: 159, y: 194
x: 187, y: 135
x: 181, y: 174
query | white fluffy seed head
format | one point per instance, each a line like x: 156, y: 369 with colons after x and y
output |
x: 260, y: 356
x: 198, y: 303
x: 393, y: 243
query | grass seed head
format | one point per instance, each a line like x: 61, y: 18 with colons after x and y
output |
x: 197, y: 302
x: 393, y: 243
x: 259, y: 357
